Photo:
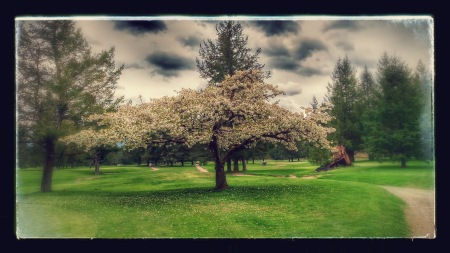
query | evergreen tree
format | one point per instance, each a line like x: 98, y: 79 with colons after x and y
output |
x: 59, y: 81
x: 228, y: 54
x: 314, y: 104
x: 424, y: 77
x: 394, y: 127
x: 343, y: 95
x: 368, y: 94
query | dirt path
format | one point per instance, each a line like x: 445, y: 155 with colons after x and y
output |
x: 420, y: 210
x: 200, y: 168
x: 154, y: 169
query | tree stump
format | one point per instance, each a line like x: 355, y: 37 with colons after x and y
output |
x: 340, y: 157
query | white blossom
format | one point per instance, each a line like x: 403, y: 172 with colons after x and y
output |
x: 236, y: 112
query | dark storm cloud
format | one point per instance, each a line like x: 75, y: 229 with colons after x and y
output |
x: 277, y: 27
x: 276, y: 51
x: 308, y: 47
x: 190, y: 41
x: 308, y: 71
x: 345, y: 45
x: 284, y: 63
x: 350, y: 25
x: 290, y: 64
x: 168, y: 64
x: 138, y: 27
x: 281, y: 58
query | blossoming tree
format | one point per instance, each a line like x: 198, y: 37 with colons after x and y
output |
x: 93, y: 142
x: 228, y: 117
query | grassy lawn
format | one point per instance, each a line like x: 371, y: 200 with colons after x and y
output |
x: 178, y: 202
x: 418, y: 174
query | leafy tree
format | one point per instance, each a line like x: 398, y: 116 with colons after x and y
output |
x: 199, y: 152
x: 425, y: 79
x: 343, y: 95
x: 319, y: 156
x: 259, y: 151
x: 394, y: 128
x: 136, y: 156
x: 31, y: 155
x: 279, y: 152
x: 59, y: 81
x: 170, y: 153
x: 227, y: 117
x: 95, y: 143
x: 227, y: 55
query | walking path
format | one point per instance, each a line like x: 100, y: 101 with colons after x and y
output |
x: 200, y: 168
x: 154, y: 169
x: 420, y: 210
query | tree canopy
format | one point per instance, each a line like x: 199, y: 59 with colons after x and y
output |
x: 228, y: 117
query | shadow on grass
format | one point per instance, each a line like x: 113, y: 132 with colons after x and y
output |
x: 233, y: 192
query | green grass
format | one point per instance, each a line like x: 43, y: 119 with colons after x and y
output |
x: 178, y: 202
x: 417, y: 174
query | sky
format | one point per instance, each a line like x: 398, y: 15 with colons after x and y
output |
x: 301, y: 52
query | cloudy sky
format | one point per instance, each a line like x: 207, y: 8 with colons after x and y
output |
x: 159, y: 53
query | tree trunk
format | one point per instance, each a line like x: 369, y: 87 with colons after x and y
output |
x: 253, y: 160
x: 229, y: 165
x: 192, y: 162
x: 235, y: 165
x: 351, y: 155
x: 46, y: 183
x: 244, y: 165
x: 182, y: 163
x: 221, y: 178
x: 403, y: 162
x: 97, y: 162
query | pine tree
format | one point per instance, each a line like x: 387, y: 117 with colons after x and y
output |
x: 228, y: 54
x: 343, y: 95
x: 394, y: 128
x: 424, y: 77
x: 314, y: 104
x: 368, y: 94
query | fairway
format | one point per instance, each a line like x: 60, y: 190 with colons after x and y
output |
x: 279, y: 200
